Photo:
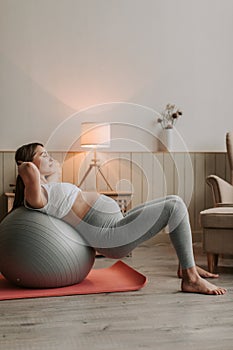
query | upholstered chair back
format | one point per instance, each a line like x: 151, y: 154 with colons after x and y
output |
x: 229, y: 144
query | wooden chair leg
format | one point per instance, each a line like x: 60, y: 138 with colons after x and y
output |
x: 212, y: 260
x: 215, y: 260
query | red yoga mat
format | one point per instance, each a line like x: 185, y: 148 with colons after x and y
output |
x: 117, y: 278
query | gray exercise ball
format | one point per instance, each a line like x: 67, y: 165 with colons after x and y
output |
x: 39, y: 251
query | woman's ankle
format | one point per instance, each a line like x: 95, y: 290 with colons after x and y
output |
x: 190, y: 274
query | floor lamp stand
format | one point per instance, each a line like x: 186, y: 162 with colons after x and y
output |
x: 94, y: 164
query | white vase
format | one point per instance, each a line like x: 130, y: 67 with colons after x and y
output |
x: 168, y: 139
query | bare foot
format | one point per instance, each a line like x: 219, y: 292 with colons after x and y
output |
x: 199, y: 285
x: 193, y: 283
x: 203, y: 273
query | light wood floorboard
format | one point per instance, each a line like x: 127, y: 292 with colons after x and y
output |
x: 158, y: 316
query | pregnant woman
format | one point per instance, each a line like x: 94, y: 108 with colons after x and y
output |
x: 99, y: 220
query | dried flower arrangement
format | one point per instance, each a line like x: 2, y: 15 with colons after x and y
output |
x: 169, y: 116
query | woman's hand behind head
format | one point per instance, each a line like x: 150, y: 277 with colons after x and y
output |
x: 28, y: 171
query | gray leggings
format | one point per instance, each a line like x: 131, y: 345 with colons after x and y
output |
x: 114, y: 235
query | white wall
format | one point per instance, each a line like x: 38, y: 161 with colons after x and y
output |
x: 60, y: 57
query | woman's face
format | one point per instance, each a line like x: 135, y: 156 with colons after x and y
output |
x: 43, y: 161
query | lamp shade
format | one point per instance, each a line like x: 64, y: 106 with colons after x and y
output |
x: 95, y: 135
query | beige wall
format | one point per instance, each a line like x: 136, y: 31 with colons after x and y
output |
x: 60, y: 57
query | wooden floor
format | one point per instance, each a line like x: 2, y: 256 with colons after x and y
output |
x: 157, y: 317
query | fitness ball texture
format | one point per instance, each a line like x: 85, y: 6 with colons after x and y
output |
x: 40, y: 251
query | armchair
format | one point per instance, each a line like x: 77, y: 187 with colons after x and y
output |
x: 217, y: 222
x: 221, y: 189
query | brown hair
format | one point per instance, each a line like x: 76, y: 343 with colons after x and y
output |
x: 24, y: 153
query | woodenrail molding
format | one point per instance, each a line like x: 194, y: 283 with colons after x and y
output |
x: 146, y: 175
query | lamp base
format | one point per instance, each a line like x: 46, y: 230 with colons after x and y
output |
x: 94, y: 164
x: 101, y: 173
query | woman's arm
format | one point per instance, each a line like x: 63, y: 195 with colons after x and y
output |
x: 34, y: 194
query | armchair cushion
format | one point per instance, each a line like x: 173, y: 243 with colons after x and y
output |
x: 220, y: 217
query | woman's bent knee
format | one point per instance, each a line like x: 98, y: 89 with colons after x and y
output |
x: 178, y: 211
x: 177, y: 202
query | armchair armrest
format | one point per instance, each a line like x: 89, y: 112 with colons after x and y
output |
x: 221, y: 189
